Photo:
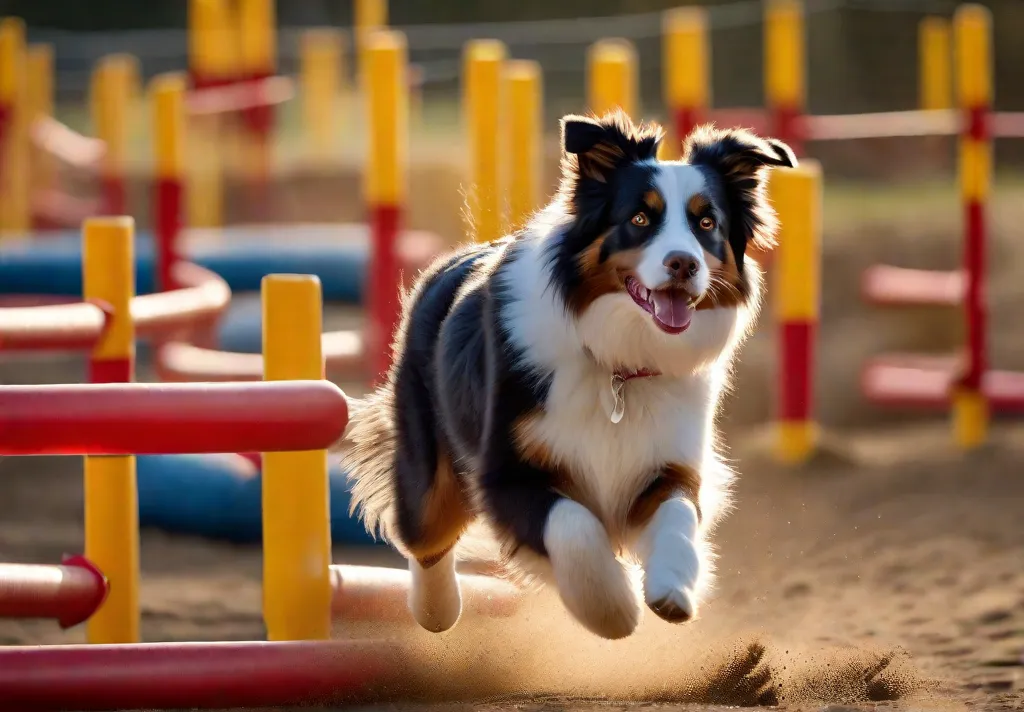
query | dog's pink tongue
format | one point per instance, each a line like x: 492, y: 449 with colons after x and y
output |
x: 672, y: 308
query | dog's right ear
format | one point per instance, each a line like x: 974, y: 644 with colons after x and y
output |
x: 600, y: 145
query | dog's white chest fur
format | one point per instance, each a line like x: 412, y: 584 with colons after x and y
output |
x: 666, y: 420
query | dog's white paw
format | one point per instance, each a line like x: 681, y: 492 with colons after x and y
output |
x: 593, y: 585
x: 672, y: 603
x: 435, y: 600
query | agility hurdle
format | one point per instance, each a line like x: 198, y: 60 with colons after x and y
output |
x: 964, y: 383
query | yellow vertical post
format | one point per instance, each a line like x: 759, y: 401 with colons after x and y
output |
x: 15, y: 169
x: 796, y: 194
x: 321, y: 71
x: 214, y: 44
x: 525, y: 101
x: 111, y: 497
x: 973, y: 38
x: 612, y: 77
x: 482, y: 102
x: 296, y: 514
x: 785, y: 69
x: 257, y: 31
x: 40, y: 106
x: 369, y: 15
x: 686, y: 63
x: 935, y: 60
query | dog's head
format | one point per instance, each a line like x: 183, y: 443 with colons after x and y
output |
x: 654, y: 257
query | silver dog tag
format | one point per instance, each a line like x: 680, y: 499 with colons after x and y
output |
x: 619, y: 407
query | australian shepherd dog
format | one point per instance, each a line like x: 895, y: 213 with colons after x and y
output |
x: 558, y: 387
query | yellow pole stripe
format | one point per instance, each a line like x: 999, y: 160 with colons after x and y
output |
x: 214, y: 38
x: 935, y: 57
x: 110, y: 100
x: 612, y: 80
x: 322, y: 52
x: 369, y: 15
x: 257, y: 29
x: 525, y: 96
x: 975, y: 170
x: 388, y: 99
x: 973, y: 31
x: 168, y: 92
x: 108, y: 275
x: 296, y: 510
x: 686, y: 61
x: 796, y: 194
x: 796, y: 440
x: 483, y: 118
x: 12, y: 53
x: 784, y: 58
x: 970, y: 418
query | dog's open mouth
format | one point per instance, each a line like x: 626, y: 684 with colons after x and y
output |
x: 670, y: 308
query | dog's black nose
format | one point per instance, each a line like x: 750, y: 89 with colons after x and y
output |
x: 681, y: 265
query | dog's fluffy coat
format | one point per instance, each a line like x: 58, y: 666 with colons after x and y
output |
x: 497, y: 408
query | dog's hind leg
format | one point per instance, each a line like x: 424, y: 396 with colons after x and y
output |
x: 431, y: 507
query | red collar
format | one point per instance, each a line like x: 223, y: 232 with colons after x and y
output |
x: 626, y: 375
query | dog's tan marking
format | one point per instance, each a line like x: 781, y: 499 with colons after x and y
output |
x: 673, y: 480
x: 444, y: 516
x: 599, y: 278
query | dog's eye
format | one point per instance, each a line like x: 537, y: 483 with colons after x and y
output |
x: 640, y: 220
x: 707, y: 224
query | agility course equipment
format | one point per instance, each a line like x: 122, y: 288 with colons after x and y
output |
x: 964, y: 383
x: 292, y: 417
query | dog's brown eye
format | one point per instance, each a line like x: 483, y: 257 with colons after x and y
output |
x: 640, y: 220
x: 707, y: 224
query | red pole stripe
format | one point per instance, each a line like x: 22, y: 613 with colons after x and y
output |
x: 978, y: 124
x: 115, y: 200
x: 169, y: 194
x: 796, y: 382
x: 787, y: 125
x: 382, y: 286
x: 686, y: 119
x: 113, y: 370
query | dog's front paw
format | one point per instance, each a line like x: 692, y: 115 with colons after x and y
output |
x: 434, y: 597
x: 670, y: 580
x: 592, y: 583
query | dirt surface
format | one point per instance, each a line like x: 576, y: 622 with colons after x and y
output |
x: 889, y: 573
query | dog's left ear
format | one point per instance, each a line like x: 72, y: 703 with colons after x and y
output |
x: 735, y: 152
x: 600, y: 145
x: 741, y: 159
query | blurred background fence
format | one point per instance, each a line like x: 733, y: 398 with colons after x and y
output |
x: 862, y: 54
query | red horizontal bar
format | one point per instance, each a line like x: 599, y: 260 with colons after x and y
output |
x: 158, y: 418
x: 197, y: 675
x: 58, y: 327
x: 343, y: 351
x: 240, y: 96
x: 925, y: 381
x: 373, y: 593
x: 69, y: 593
x: 202, y: 295
x: 885, y: 285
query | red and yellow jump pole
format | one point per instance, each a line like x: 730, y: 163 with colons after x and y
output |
x: 785, y: 70
x: 482, y: 106
x: 111, y: 497
x: 110, y: 99
x: 525, y: 95
x: 168, y: 103
x: 973, y: 32
x: 296, y: 507
x: 386, y: 186
x: 796, y: 194
x: 935, y: 64
x: 687, y: 71
x: 612, y: 77
x: 15, y: 152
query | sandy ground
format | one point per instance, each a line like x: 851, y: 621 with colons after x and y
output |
x: 888, y: 573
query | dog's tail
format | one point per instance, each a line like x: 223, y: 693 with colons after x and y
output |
x: 367, y: 457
